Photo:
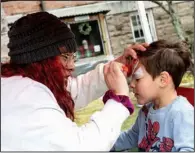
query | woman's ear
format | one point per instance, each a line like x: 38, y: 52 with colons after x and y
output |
x: 164, y: 79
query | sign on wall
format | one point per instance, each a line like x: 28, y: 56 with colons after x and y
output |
x: 81, y: 18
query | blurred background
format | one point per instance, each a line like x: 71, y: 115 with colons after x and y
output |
x: 104, y: 28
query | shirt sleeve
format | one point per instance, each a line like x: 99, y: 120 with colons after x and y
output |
x: 183, y: 130
x: 87, y: 87
x: 48, y: 128
x: 128, y: 139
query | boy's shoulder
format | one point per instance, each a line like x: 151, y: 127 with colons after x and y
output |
x: 180, y: 109
x: 181, y: 104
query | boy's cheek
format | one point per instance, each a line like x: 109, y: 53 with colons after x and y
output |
x: 141, y: 97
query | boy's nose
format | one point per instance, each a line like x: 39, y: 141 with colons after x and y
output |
x: 132, y: 83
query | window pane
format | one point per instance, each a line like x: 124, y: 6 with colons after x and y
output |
x: 136, y: 33
x: 133, y: 18
x: 138, y: 18
x: 134, y: 23
x: 141, y: 32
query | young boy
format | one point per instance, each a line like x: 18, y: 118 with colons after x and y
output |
x: 166, y: 121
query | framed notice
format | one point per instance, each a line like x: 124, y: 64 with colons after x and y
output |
x: 81, y: 18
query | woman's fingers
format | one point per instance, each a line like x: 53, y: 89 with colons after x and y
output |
x: 116, y: 80
x: 106, y: 68
x: 130, y: 52
x: 115, y: 68
x: 145, y: 45
x: 131, y: 49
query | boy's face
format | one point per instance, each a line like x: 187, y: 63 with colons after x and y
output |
x: 144, y: 87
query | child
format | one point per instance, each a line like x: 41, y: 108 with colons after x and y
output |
x: 166, y: 121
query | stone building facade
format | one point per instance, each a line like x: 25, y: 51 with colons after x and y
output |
x: 121, y: 33
x: 118, y: 23
x: 19, y: 7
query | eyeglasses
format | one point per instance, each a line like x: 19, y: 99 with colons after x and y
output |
x: 69, y: 56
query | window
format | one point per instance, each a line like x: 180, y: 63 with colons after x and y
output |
x: 88, y: 38
x: 137, y: 29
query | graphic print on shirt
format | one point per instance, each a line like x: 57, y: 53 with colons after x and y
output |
x: 150, y: 142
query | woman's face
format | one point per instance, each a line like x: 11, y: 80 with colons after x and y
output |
x: 68, y: 61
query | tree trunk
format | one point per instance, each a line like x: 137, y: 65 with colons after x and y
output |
x: 177, y: 27
x: 176, y: 22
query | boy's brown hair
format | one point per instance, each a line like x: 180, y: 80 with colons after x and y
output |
x: 162, y: 55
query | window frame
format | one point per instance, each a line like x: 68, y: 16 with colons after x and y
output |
x: 151, y: 25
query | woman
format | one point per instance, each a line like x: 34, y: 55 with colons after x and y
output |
x: 39, y: 95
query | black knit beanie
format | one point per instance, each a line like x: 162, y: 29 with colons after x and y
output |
x: 38, y: 36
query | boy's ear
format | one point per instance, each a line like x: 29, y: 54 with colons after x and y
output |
x: 164, y: 79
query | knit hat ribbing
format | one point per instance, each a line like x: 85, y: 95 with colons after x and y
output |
x: 38, y: 36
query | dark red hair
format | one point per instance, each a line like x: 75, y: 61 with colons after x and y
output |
x: 49, y: 72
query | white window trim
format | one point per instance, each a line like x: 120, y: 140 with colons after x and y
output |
x: 107, y: 37
x: 101, y: 37
x: 151, y: 22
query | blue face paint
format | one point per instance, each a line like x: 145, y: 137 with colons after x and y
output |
x: 131, y: 77
x: 138, y: 73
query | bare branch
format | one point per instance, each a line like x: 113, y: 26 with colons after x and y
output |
x: 162, y: 6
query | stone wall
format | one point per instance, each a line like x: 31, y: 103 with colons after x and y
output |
x: 164, y: 27
x: 61, y: 4
x: 20, y: 7
x: 119, y: 30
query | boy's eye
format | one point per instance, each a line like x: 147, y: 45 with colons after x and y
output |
x: 137, y: 80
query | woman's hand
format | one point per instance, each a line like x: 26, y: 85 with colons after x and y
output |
x: 115, y: 78
x: 130, y: 51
